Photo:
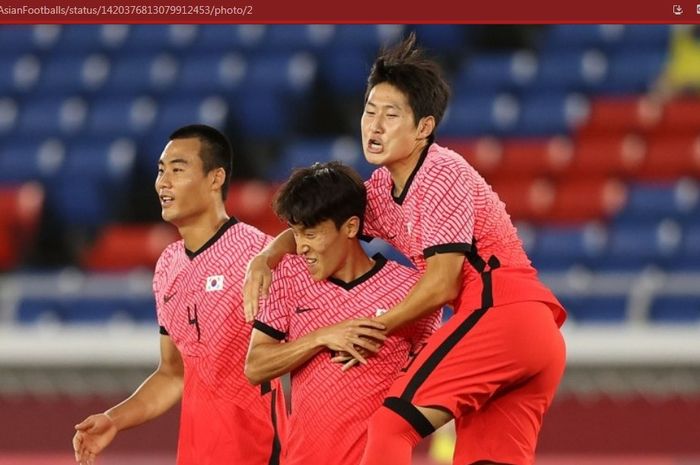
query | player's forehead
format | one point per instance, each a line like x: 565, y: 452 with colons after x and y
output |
x: 183, y: 151
x: 386, y: 95
x: 320, y: 227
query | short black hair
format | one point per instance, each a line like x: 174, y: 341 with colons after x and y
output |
x: 323, y: 191
x: 407, y: 68
x: 216, y: 149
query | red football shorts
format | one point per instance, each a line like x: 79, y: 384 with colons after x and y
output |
x: 496, y: 371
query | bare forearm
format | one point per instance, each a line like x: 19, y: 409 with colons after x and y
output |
x: 281, y: 245
x: 428, y: 295
x: 154, y: 397
x: 271, y: 360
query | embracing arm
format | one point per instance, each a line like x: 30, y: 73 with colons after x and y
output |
x: 258, y: 275
x: 439, y: 285
x: 269, y: 358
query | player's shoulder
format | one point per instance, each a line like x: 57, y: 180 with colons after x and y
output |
x: 244, y: 235
x: 444, y: 160
x: 396, y: 272
x: 379, y: 178
x: 167, y: 255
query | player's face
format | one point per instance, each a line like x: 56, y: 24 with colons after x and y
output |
x: 183, y: 188
x: 324, y: 248
x: 390, y: 134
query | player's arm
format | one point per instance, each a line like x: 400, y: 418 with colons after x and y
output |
x: 269, y: 357
x: 439, y: 285
x: 258, y: 274
x: 160, y: 391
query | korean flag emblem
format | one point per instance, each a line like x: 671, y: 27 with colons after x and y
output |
x: 215, y: 283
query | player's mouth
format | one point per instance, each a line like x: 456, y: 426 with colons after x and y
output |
x: 375, y: 146
x: 166, y: 200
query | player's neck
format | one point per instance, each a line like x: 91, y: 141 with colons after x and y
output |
x: 357, y: 263
x: 196, y: 233
x: 401, y: 169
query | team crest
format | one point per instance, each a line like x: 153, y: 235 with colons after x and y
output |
x: 215, y: 283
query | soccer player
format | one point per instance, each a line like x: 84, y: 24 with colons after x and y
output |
x: 321, y: 301
x: 495, y: 365
x: 204, y: 337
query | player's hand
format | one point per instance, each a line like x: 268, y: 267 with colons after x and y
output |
x: 258, y: 277
x: 358, y: 338
x: 347, y: 360
x: 92, y: 435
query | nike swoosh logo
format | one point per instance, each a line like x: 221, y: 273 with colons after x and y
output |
x: 302, y: 310
x: 166, y: 298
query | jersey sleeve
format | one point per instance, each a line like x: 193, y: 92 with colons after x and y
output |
x: 159, y: 279
x: 447, y: 221
x: 275, y: 310
x: 370, y: 225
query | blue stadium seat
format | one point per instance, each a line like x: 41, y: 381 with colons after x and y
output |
x: 345, y: 71
x: 452, y: 38
x: 583, y: 36
x: 480, y: 113
x: 160, y: 37
x: 290, y: 38
x: 103, y: 170
x: 141, y: 73
x: 573, y: 71
x: 26, y: 39
x: 649, y: 202
x: 229, y: 38
x: 652, y: 37
x: 31, y: 311
x: 18, y: 73
x: 143, y: 310
x: 303, y: 153
x: 550, y: 114
x: 688, y: 256
x: 292, y: 74
x: 681, y: 309
x: 30, y: 160
x: 65, y: 74
x: 9, y: 110
x: 632, y: 246
x: 79, y: 38
x: 596, y: 309
x: 368, y: 38
x: 263, y: 113
x: 496, y: 72
x: 560, y: 248
x: 213, y: 72
x: 121, y: 116
x: 632, y: 71
x: 52, y: 116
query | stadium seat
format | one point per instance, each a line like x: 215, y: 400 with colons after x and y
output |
x: 672, y: 309
x: 535, y: 157
x: 477, y: 114
x: 571, y: 71
x: 621, y: 115
x: 650, y: 202
x: 551, y: 113
x: 33, y: 311
x: 290, y: 38
x: 584, y: 199
x: 52, y: 116
x: 140, y: 73
x: 681, y: 116
x: 211, y: 72
x: 632, y: 71
x: 229, y: 38
x: 559, y: 248
x: 582, y: 36
x: 119, y: 116
x: 68, y: 74
x: 21, y: 208
x: 30, y: 160
x: 160, y: 37
x: 293, y: 74
x: 121, y: 247
x: 27, y: 39
x: 344, y: 71
x: 596, y: 309
x: 525, y: 198
x: 633, y: 246
x: 671, y: 157
x: 496, y: 72
x: 18, y: 73
x: 251, y: 202
x: 605, y: 155
x: 368, y: 38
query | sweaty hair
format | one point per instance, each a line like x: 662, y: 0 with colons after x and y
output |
x: 406, y: 67
x: 323, y: 191
x: 215, y: 150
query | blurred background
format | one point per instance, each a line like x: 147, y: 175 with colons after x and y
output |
x: 590, y: 134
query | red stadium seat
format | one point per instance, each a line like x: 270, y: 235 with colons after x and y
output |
x: 121, y: 247
x: 605, y: 155
x: 484, y: 154
x: 21, y: 208
x: 671, y: 157
x: 681, y: 116
x: 586, y: 199
x: 525, y: 198
x: 535, y: 157
x: 622, y: 114
x: 251, y: 202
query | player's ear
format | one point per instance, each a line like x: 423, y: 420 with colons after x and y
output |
x: 426, y: 126
x: 352, y: 227
x: 218, y: 176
